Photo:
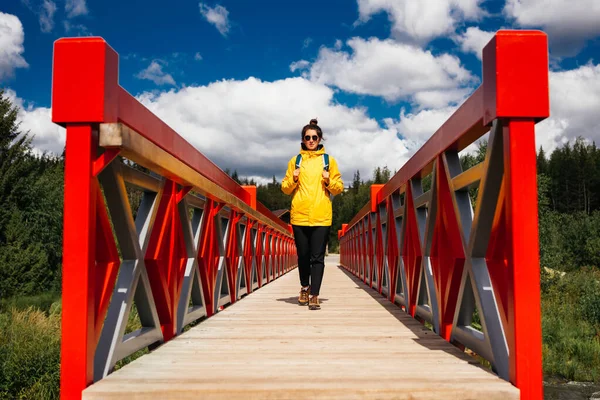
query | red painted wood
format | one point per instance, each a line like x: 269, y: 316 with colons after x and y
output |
x: 138, y: 117
x: 515, y: 76
x: 411, y: 253
x: 447, y: 254
x: 79, y: 247
x: 379, y: 252
x: 104, y: 159
x: 524, y: 317
x: 158, y: 258
x: 392, y: 249
x: 85, y: 92
x: 84, y: 81
x: 107, y: 262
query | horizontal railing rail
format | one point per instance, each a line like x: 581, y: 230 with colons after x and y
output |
x: 149, y: 222
x: 468, y: 264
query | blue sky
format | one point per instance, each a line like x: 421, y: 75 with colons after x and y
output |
x: 381, y: 75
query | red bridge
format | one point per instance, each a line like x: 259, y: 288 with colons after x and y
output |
x: 434, y: 297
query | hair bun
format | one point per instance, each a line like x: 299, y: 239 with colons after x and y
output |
x: 314, y: 121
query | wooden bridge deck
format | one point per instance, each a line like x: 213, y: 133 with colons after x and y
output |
x: 358, y: 345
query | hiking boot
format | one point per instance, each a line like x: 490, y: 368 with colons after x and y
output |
x: 303, y: 299
x: 313, y: 303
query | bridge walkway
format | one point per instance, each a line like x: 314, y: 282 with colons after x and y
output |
x: 359, y: 345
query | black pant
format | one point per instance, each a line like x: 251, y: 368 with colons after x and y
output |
x: 311, y: 242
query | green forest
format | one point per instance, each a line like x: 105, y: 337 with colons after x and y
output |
x: 31, y: 190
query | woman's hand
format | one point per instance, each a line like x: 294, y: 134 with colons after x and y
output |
x: 326, y: 177
x: 296, y: 174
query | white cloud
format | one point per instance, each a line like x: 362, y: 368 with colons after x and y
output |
x: 434, y: 99
x: 574, y: 105
x: 47, y: 136
x: 11, y: 45
x: 568, y: 23
x: 155, y: 73
x: 421, y: 21
x: 47, y: 16
x: 254, y: 126
x: 198, y: 57
x: 574, y: 101
x: 418, y: 127
x: 473, y: 40
x: 306, y: 43
x: 299, y: 65
x: 76, y: 29
x: 75, y: 8
x: 393, y: 71
x: 218, y: 16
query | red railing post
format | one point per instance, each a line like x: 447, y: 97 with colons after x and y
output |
x: 524, y: 318
x: 79, y: 242
x: 84, y: 89
x: 516, y: 89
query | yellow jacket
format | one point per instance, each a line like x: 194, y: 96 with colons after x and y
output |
x: 311, y: 204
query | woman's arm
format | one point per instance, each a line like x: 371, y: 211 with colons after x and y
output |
x: 336, y: 185
x: 288, y: 185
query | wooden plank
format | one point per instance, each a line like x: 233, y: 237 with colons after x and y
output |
x: 358, y: 346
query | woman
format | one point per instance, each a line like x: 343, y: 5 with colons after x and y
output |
x: 312, y: 178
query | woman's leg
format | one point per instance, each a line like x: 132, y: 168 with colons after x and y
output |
x: 301, y: 237
x: 318, y: 244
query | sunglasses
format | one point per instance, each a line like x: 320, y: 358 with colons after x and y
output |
x: 308, y: 137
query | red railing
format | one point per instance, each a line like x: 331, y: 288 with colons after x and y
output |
x: 198, y: 241
x: 440, y: 258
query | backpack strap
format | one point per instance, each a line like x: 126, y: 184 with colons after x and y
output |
x: 326, y: 162
x: 298, y: 160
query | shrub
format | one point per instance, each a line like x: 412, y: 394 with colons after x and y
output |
x: 43, y: 302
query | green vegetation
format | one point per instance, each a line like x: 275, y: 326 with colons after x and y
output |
x: 31, y: 251
x: 29, y: 353
x: 569, y: 223
x: 31, y: 212
x: 571, y: 325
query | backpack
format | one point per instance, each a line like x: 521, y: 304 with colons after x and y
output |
x: 325, y: 161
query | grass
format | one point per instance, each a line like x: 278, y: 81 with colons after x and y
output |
x: 41, y: 302
x: 29, y: 354
x: 30, y: 347
x: 571, y: 325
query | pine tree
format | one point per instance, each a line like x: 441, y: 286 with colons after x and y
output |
x: 377, y: 176
x: 542, y: 162
x: 235, y: 177
x: 14, y: 152
x: 31, y: 213
x: 385, y: 174
x: 356, y: 182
